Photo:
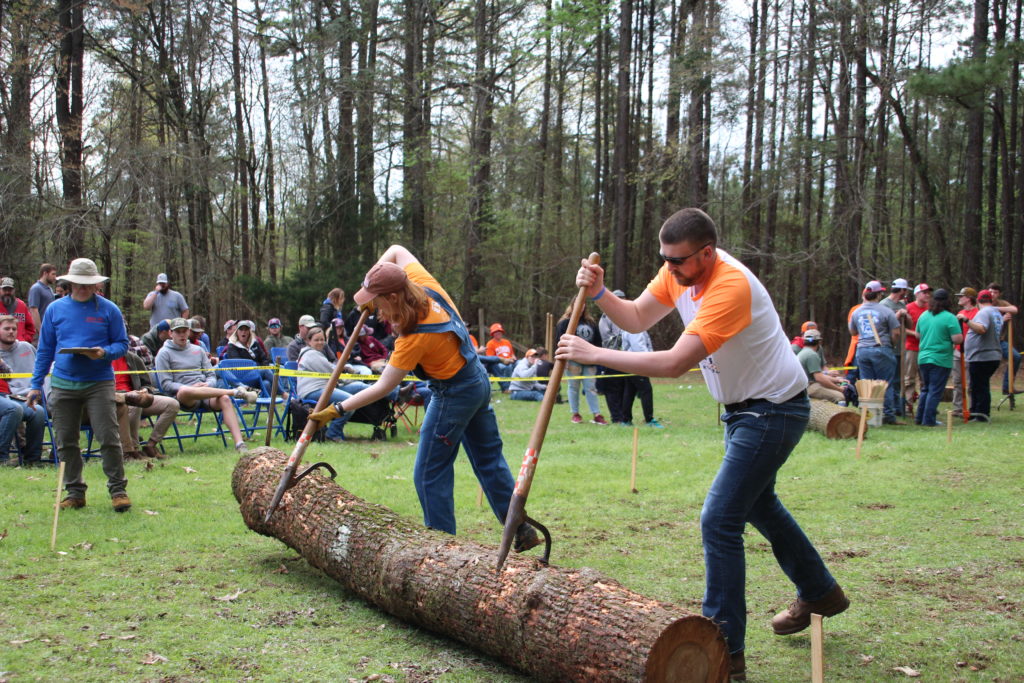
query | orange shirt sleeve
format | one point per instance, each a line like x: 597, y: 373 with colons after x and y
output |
x: 725, y: 309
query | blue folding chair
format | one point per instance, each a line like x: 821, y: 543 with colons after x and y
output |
x: 279, y: 352
x: 232, y: 372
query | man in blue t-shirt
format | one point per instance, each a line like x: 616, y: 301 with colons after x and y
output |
x: 81, y: 334
x: 40, y: 295
x: 164, y: 302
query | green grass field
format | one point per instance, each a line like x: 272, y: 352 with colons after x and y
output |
x: 927, y: 539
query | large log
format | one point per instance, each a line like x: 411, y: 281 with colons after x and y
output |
x: 833, y: 420
x: 552, y: 623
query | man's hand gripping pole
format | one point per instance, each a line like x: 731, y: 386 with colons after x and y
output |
x: 288, y: 477
x: 517, y: 506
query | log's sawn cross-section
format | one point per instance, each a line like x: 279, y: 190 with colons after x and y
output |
x: 553, y: 623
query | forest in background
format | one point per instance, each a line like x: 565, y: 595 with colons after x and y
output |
x: 265, y: 151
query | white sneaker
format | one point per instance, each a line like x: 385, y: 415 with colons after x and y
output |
x: 246, y: 394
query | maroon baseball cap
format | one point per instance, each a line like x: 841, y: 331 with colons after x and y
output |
x: 383, y: 278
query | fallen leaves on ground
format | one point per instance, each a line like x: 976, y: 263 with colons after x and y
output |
x: 3, y: 534
x: 866, y: 659
x: 907, y: 671
x: 190, y: 470
x: 151, y: 512
x: 230, y: 597
x: 153, y: 658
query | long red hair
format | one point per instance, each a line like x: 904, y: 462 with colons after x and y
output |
x: 407, y: 307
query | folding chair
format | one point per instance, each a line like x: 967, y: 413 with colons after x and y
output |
x: 400, y: 408
x: 232, y: 372
x: 279, y: 352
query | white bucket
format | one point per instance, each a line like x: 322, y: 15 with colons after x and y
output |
x: 876, y: 411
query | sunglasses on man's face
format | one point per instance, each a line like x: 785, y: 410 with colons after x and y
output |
x: 680, y: 260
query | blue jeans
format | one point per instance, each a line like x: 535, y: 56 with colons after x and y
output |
x: 11, y: 414
x: 336, y: 428
x: 589, y: 387
x: 758, y: 440
x: 933, y: 385
x: 528, y: 395
x: 879, y: 362
x: 1016, y: 366
x: 460, y: 413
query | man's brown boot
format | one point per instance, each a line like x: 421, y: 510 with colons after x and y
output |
x: 139, y: 399
x: 121, y: 502
x: 798, y: 616
x: 72, y: 503
x: 150, y: 450
x: 737, y: 667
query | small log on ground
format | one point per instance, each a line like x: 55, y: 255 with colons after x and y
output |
x: 834, y: 421
x: 553, y: 623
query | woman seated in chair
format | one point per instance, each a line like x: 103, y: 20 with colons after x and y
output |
x: 312, y: 358
x: 336, y: 344
x: 243, y: 344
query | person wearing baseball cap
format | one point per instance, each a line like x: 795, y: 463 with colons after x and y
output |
x: 164, y: 302
x: 299, y: 342
x: 820, y: 384
x: 1003, y: 306
x: 878, y: 332
x: 967, y: 298
x: 12, y: 305
x: 912, y: 381
x: 92, y: 329
x: 983, y: 353
x: 274, y: 338
x: 433, y: 342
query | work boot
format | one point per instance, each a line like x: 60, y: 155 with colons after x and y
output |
x: 798, y: 616
x: 121, y: 502
x: 70, y: 503
x: 150, y: 450
x: 526, y: 537
x: 737, y: 667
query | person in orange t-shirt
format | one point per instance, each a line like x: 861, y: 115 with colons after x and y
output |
x: 499, y: 357
x: 433, y: 342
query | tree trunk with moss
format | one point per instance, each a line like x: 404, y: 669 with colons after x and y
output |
x: 552, y: 623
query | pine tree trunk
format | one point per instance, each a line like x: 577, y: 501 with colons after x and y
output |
x: 552, y: 623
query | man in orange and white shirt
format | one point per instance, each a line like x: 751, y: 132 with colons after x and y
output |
x: 734, y: 335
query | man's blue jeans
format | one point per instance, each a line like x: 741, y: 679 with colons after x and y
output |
x: 11, y: 414
x: 1016, y: 366
x: 526, y: 395
x: 460, y: 413
x: 933, y: 385
x: 758, y: 440
x: 879, y: 362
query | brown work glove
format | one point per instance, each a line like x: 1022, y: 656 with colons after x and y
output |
x: 322, y: 417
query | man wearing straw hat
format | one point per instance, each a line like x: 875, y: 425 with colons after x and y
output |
x: 729, y: 319
x: 83, y: 333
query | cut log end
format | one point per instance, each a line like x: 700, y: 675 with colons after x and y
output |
x: 834, y: 421
x: 691, y: 650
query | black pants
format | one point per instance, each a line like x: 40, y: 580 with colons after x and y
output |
x: 638, y: 386
x: 613, y: 389
x: 980, y: 372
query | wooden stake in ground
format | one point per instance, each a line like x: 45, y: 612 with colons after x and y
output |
x: 1009, y: 362
x: 636, y: 443
x: 549, y: 333
x: 479, y: 496
x: 949, y: 426
x: 56, y: 506
x: 860, y: 429
x: 817, y: 650
x: 273, y: 403
x: 552, y: 623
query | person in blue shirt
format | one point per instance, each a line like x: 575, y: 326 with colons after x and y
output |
x: 80, y: 336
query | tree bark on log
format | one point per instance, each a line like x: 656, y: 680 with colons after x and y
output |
x: 834, y: 421
x: 552, y: 623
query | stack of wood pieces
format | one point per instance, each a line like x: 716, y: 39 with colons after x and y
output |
x: 553, y: 623
x: 872, y: 388
x: 834, y: 421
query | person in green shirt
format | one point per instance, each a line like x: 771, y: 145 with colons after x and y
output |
x: 938, y: 330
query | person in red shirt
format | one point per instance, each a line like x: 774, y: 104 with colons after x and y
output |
x: 12, y: 305
x: 968, y: 300
x: 911, y: 378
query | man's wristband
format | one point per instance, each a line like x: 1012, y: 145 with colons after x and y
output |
x: 599, y: 294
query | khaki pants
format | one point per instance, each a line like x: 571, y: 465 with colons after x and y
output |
x: 911, y: 375
x: 958, y: 395
x: 66, y: 410
x: 815, y: 390
x: 129, y: 418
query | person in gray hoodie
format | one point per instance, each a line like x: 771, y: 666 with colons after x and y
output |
x: 185, y: 373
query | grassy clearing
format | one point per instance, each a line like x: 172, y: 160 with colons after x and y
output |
x: 926, y: 538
